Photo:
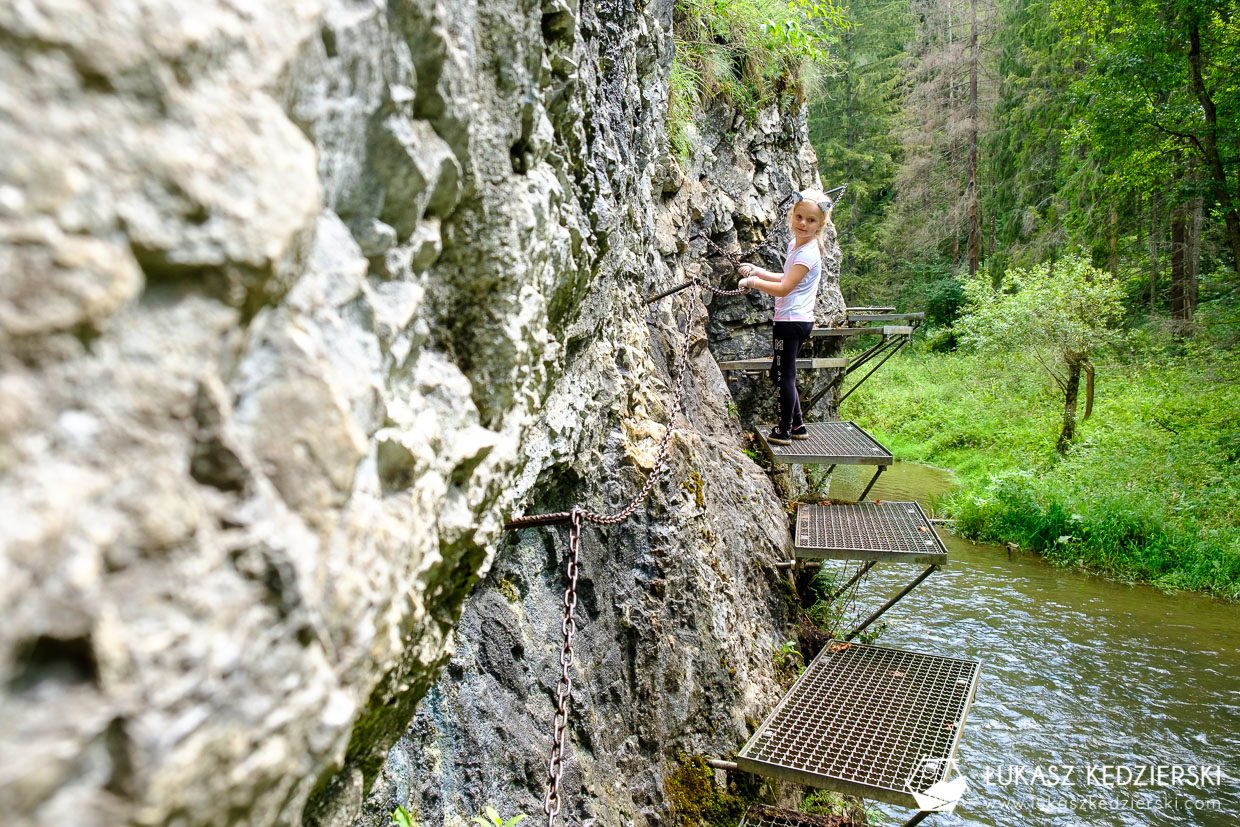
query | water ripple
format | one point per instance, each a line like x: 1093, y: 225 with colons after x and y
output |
x: 1076, y: 670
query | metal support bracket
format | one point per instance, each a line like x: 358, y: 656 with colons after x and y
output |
x: 666, y: 293
x: 893, y: 601
x: 860, y: 573
x: 877, y: 472
x: 861, y: 360
x: 899, y: 344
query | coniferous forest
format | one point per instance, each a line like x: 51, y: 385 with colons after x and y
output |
x: 1056, y: 183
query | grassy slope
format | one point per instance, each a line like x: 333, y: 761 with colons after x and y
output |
x: 1151, y: 490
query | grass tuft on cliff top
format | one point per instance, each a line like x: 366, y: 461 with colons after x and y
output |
x: 748, y: 53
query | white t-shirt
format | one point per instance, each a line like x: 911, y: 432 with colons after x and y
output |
x: 798, y: 306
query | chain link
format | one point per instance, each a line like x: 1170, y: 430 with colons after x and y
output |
x: 555, y: 766
x: 719, y: 292
x: 682, y: 367
x: 735, y: 258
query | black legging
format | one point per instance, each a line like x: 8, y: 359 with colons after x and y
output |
x: 789, y: 336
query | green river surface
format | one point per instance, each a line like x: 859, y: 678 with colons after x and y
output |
x: 1076, y: 671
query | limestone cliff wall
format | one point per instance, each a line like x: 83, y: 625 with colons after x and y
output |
x: 300, y: 301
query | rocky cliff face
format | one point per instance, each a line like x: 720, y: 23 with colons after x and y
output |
x: 301, y: 300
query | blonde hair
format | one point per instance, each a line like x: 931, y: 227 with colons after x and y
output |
x: 815, y: 197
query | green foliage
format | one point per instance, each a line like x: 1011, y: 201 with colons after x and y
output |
x: 1139, y: 113
x: 829, y: 614
x: 748, y: 53
x: 401, y: 818
x: 493, y: 819
x: 1032, y: 178
x: 1137, y: 98
x: 787, y: 663
x: 698, y: 800
x: 684, y: 94
x: 824, y: 613
x: 806, y: 32
x: 1061, y: 307
x: 1092, y: 136
x: 1148, y: 492
x: 1060, y: 313
x: 824, y: 803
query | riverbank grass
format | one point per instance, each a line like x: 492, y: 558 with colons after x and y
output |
x: 1149, y: 491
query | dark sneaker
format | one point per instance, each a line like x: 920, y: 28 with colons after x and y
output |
x: 778, y: 437
x: 799, y: 432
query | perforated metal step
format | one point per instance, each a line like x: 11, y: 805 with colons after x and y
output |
x: 764, y: 363
x: 868, y: 531
x: 760, y: 815
x: 830, y: 443
x: 870, y: 721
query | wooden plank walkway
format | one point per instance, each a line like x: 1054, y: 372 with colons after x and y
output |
x: 845, y: 332
x: 764, y: 363
x: 885, y: 317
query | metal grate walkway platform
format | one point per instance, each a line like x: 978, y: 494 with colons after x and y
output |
x: 760, y: 815
x: 831, y: 443
x: 764, y: 363
x: 868, y: 531
x: 864, y: 720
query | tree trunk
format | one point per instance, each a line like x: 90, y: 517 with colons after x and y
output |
x: 1076, y: 361
x: 1153, y: 238
x: 1196, y: 218
x: 849, y: 127
x: 1140, y: 220
x: 994, y: 235
x: 1218, y: 177
x: 1180, y: 311
x: 953, y: 146
x: 975, y: 240
x: 1089, y: 390
x: 1114, y: 263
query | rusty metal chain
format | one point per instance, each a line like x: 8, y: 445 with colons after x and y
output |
x: 719, y: 292
x: 697, y: 281
x: 682, y: 367
x: 555, y: 766
x: 532, y: 520
x: 735, y: 258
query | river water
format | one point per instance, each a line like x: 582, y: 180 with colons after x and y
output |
x: 1077, y: 671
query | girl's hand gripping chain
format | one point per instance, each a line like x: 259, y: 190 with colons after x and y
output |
x: 750, y: 273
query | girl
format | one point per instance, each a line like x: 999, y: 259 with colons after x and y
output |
x: 795, y: 290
